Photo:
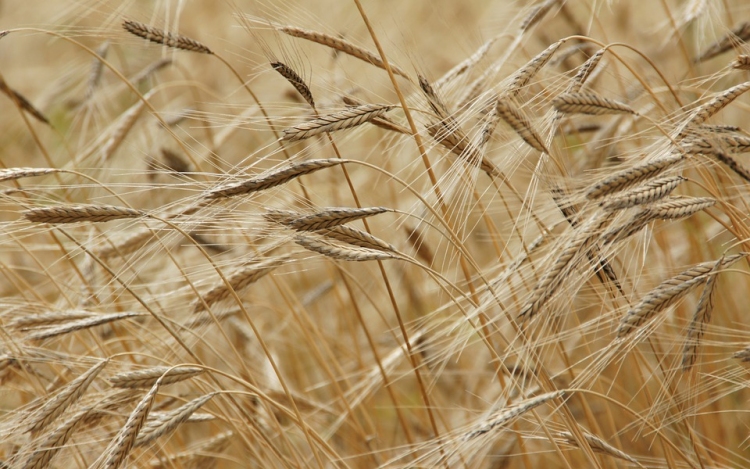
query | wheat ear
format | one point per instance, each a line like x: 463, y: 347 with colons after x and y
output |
x: 198, y: 456
x: 273, y: 178
x: 631, y: 176
x: 739, y: 34
x: 520, y: 124
x: 585, y: 71
x: 295, y: 80
x: 466, y: 64
x: 157, y: 427
x: 66, y: 397
x: 716, y: 104
x: 589, y: 103
x: 342, y: 252
x: 149, y: 376
x: 96, y: 70
x: 73, y: 326
x: 701, y: 317
x: 536, y: 14
x: 649, y: 192
x: 504, y: 416
x: 11, y: 174
x: 238, y: 280
x: 159, y: 36
x: 669, y: 292
x: 80, y: 213
x: 331, y: 217
x: 55, y: 440
x: 599, y: 446
x: 339, y: 45
x: 117, y: 451
x: 346, y: 119
x: 22, y: 102
x: 356, y: 237
x: 523, y: 75
x: 27, y: 321
x: 742, y: 62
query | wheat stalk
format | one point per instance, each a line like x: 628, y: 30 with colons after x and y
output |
x: 520, y: 124
x: 716, y: 104
x: 240, y: 279
x: 585, y: 71
x: 55, y: 440
x: 22, y: 102
x: 157, y: 427
x: 331, y: 217
x: 701, y: 317
x: 86, y: 323
x: 11, y: 174
x: 739, y: 34
x: 742, y: 62
x: 295, y: 80
x: 631, y: 176
x: 339, y: 45
x: 272, y: 179
x: 80, y: 213
x: 670, y: 209
x: 649, y: 192
x: 504, y: 416
x: 669, y: 292
x: 66, y: 397
x: 147, y: 377
x: 342, y: 252
x: 117, y: 451
x: 536, y: 14
x: 346, y: 119
x: 589, y: 103
x: 524, y: 74
x: 159, y: 36
x: 599, y: 446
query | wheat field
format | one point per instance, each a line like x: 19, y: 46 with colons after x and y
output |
x: 374, y: 234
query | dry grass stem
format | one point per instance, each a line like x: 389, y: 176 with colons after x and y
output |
x: 346, y: 119
x: 669, y: 292
x: 740, y: 33
x: 66, y: 397
x: 80, y: 213
x: 147, y: 377
x: 87, y: 323
x: 157, y: 427
x: 273, y: 178
x: 340, y: 45
x: 632, y: 176
x: 649, y: 192
x: 342, y: 252
x: 295, y: 80
x: 589, y: 103
x: 158, y: 36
